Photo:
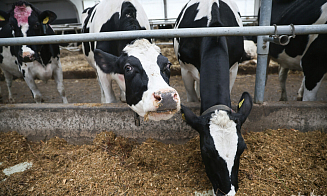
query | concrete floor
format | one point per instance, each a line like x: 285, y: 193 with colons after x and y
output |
x: 88, y: 91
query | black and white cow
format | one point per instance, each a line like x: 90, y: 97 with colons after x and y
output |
x: 139, y: 68
x: 192, y: 53
x: 209, y: 60
x: 111, y: 15
x: 304, y: 52
x: 29, y: 61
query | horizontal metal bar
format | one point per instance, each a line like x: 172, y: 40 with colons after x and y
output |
x: 166, y: 33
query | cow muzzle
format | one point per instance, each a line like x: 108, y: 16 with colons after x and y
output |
x: 27, y: 57
x: 167, y: 103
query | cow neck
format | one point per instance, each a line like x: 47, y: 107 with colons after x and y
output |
x: 214, y: 79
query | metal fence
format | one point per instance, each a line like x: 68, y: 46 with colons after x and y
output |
x: 263, y: 33
x: 167, y: 33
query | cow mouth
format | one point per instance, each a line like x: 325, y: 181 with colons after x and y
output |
x: 159, y: 114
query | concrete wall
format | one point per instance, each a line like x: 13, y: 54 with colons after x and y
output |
x: 79, y: 123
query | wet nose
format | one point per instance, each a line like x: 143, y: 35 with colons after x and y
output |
x: 166, y: 100
x: 27, y: 57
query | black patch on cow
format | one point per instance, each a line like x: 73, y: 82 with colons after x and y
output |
x: 23, y: 72
x: 164, y: 66
x: 314, y: 62
x: 212, y: 56
x: 189, y: 47
x: 127, y: 21
x: 1, y: 57
x: 93, y: 15
x: 16, y: 62
x: 85, y: 29
x: 235, y: 43
x: 136, y: 80
x: 220, y: 16
x: 292, y: 12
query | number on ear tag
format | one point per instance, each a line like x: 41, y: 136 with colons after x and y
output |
x: 46, y: 20
x: 240, y: 103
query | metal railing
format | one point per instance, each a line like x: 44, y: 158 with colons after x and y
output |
x: 168, y: 33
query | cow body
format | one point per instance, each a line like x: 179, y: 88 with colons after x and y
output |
x: 221, y: 142
x: 138, y: 66
x: 304, y: 52
x: 111, y: 15
x: 29, y: 61
x: 193, y: 54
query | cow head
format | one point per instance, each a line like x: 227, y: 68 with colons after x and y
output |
x: 146, y: 72
x: 25, y: 20
x: 221, y: 142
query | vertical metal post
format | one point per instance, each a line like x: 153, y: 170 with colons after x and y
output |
x: 165, y: 9
x: 262, y: 50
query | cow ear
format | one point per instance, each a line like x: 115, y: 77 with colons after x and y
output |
x: 244, y: 106
x: 47, y: 17
x: 190, y: 118
x: 4, y: 16
x: 107, y: 62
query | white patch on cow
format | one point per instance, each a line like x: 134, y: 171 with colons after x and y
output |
x: 250, y: 48
x: 289, y: 62
x: 232, y: 192
x: 191, y: 79
x: 204, y: 9
x: 26, y: 50
x: 8, y: 62
x: 224, y: 134
x: 232, y: 76
x: 323, y: 17
x: 147, y: 54
x: 311, y: 95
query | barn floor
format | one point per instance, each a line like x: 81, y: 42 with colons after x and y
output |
x: 88, y: 90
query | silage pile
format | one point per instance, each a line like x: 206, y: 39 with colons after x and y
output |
x: 280, y: 162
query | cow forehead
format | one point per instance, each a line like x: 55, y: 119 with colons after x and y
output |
x: 224, y: 134
x: 147, y: 54
x: 21, y: 13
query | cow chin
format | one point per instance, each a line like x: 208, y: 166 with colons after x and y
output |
x: 160, y: 115
x: 151, y: 110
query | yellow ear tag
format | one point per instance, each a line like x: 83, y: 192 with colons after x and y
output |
x: 2, y: 18
x: 46, y: 20
x: 240, y: 103
x: 183, y: 117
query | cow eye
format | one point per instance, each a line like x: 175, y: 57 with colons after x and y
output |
x: 128, y: 68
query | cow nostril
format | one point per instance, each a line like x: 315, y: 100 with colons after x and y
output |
x: 157, y: 97
x: 175, y: 96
